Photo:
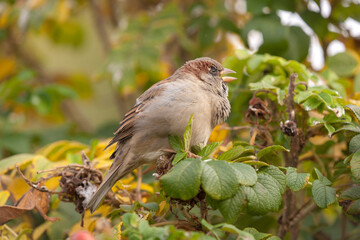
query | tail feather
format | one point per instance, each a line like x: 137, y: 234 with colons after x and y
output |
x: 103, y: 189
x: 121, y: 166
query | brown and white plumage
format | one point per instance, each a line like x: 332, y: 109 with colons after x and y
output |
x: 196, y: 88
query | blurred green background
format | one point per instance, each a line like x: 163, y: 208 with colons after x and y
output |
x: 70, y: 69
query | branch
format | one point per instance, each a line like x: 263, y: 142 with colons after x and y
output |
x: 301, y: 214
x: 297, y: 143
x: 34, y: 185
x: 290, y: 106
x: 100, y: 26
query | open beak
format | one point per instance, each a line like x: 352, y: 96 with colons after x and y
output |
x: 227, y: 71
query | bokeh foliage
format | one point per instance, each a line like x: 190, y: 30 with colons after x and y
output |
x: 70, y: 69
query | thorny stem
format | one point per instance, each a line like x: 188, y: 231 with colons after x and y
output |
x: 297, y: 142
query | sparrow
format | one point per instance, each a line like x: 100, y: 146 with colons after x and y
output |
x: 197, y: 88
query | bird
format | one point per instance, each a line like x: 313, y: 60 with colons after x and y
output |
x: 198, y: 88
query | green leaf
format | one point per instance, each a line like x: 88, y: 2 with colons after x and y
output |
x: 212, y: 202
x: 231, y: 208
x: 354, y: 208
x: 276, y: 174
x: 355, y: 165
x: 257, y: 163
x: 302, y: 96
x: 274, y: 34
x: 296, y: 181
x: 329, y: 128
x: 218, y: 179
x: 19, y: 159
x: 183, y: 180
x: 298, y: 44
x: 208, y: 149
x: 357, y: 82
x: 343, y: 64
x: 243, y: 235
x: 352, y: 193
x: 348, y: 159
x: 178, y: 157
x: 152, y: 206
x: 271, y: 153
x: 311, y: 103
x: 323, y: 194
x: 263, y: 197
x: 215, y: 231
x: 258, y: 235
x: 318, y: 175
x: 243, y: 53
x: 355, y: 109
x: 187, y: 134
x: 348, y: 127
x: 245, y: 173
x: 354, y: 144
x: 130, y: 219
x: 232, y: 153
x: 176, y: 143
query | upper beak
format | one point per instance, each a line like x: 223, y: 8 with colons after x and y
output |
x: 227, y: 71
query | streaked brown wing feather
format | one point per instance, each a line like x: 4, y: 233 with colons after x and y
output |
x: 126, y: 129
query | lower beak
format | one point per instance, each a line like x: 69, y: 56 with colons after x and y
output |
x: 229, y: 79
x: 227, y: 71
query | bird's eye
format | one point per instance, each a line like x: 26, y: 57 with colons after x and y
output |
x: 214, y: 71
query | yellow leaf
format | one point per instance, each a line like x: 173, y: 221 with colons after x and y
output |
x: 39, y: 231
x: 20, y: 159
x: 63, y: 10
x: 162, y: 206
x: 18, y: 187
x: 219, y: 133
x: 143, y: 186
x: 8, y: 65
x: 57, y: 151
x: 123, y: 199
x: 52, y: 183
x: 118, y: 231
x: 4, y: 18
x: 4, y: 195
x: 89, y: 224
x: 102, y: 163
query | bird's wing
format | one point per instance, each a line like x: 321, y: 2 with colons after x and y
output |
x: 126, y: 129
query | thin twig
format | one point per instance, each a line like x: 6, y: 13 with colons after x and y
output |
x: 12, y: 232
x: 34, y: 185
x: 138, y: 185
x: 71, y: 166
x: 343, y: 226
x: 302, y: 214
x: 164, y: 223
x: 237, y: 128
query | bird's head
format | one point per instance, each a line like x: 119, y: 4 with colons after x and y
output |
x: 210, y: 71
